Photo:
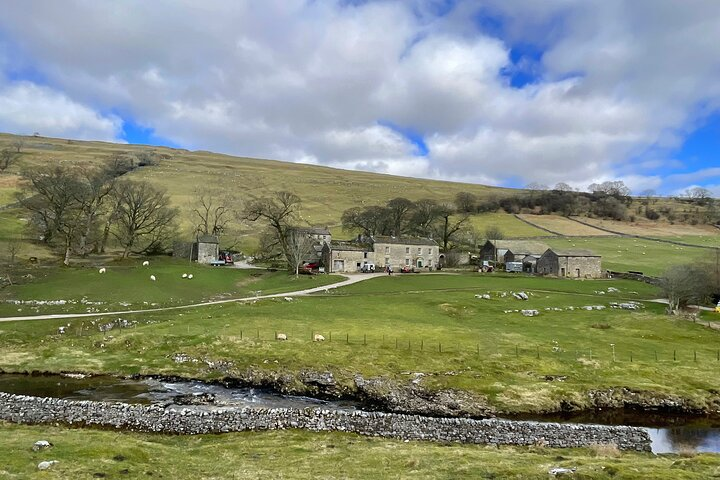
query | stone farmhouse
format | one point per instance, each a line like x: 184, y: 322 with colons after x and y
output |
x: 381, y: 251
x: 570, y: 263
x: 319, y: 234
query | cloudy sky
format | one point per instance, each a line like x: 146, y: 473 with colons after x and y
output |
x: 501, y: 92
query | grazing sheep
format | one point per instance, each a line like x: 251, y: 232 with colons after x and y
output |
x: 184, y: 275
x: 146, y: 263
x: 61, y: 330
x: 281, y: 336
x: 152, y: 277
x: 102, y: 270
x: 190, y: 276
x: 41, y: 445
x: 318, y: 338
x: 288, y: 299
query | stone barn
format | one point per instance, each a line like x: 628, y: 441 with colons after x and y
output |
x: 503, y: 251
x: 343, y: 257
x: 207, y: 249
x: 570, y: 264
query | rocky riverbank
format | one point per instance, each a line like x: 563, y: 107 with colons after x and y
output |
x: 192, y: 421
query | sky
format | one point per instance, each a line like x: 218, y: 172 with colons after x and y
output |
x: 498, y: 92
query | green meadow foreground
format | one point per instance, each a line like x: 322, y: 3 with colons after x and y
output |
x: 126, y: 285
x: 84, y: 453
x: 398, y: 326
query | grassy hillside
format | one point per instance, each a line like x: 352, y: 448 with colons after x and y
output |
x: 326, y: 193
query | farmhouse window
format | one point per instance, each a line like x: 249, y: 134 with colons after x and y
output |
x: 407, y: 250
x: 387, y: 250
x: 429, y: 251
x: 419, y: 250
x: 407, y: 261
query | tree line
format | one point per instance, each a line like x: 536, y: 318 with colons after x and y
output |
x: 77, y: 210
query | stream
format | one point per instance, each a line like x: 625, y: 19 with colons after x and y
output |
x: 669, y: 433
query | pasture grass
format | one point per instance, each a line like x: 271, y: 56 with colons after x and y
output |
x: 394, y: 326
x: 623, y: 253
x: 88, y: 453
x: 563, y: 225
x: 508, y: 224
x: 126, y: 285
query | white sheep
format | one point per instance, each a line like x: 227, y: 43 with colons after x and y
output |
x: 288, y: 299
x: 184, y: 275
x: 189, y: 276
x: 318, y: 338
x: 281, y: 336
x: 152, y: 277
x: 102, y: 270
x: 146, y: 263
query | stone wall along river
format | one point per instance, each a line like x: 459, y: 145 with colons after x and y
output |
x: 181, y: 420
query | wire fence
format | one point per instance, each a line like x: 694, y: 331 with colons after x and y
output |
x: 617, y: 353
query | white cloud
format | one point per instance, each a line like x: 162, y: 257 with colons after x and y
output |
x: 27, y: 108
x: 621, y: 81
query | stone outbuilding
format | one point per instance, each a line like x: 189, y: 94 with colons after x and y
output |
x: 319, y: 234
x: 570, y: 264
x: 345, y: 257
x: 503, y: 251
x: 207, y: 248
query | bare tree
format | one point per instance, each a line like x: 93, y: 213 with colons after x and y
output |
x: 423, y: 216
x: 278, y: 211
x: 18, y: 145
x: 562, y: 187
x: 536, y: 186
x: 699, y: 195
x: 683, y: 284
x: 299, y: 246
x: 7, y: 158
x: 144, y: 217
x: 398, y: 211
x: 466, y: 202
x: 447, y: 226
x: 51, y: 195
x: 211, y: 212
x: 372, y: 220
x: 494, y: 232
x: 13, y: 247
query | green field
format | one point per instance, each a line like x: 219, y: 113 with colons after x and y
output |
x: 623, y: 254
x: 86, y: 453
x: 127, y: 286
x: 390, y: 326
x: 510, y: 226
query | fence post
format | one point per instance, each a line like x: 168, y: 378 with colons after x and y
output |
x: 421, y: 345
x: 674, y: 355
x: 630, y: 356
x: 695, y: 354
x: 240, y: 334
x: 517, y: 354
x: 538, y: 352
x: 439, y: 347
x: 347, y: 338
x: 365, y: 339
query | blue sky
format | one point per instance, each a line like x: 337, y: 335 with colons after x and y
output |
x: 501, y: 92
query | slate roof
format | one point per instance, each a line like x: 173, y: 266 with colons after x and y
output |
x: 406, y: 240
x: 349, y: 246
x: 208, y: 239
x: 521, y: 246
x: 575, y: 253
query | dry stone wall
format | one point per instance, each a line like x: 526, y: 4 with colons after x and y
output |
x: 192, y: 421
